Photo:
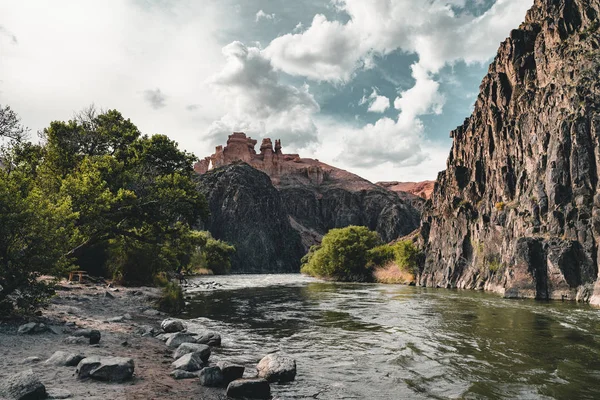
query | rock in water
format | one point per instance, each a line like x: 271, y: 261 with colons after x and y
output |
x: 112, y: 369
x: 517, y: 211
x: 172, y: 325
x: 277, y: 368
x: 230, y: 371
x: 22, y: 386
x: 64, y: 359
x: 189, y: 362
x: 177, y: 339
x: 211, y: 376
x: 249, y: 389
x: 186, y: 348
x: 209, y: 338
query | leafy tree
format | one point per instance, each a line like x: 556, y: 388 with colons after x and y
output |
x: 344, y: 255
x: 407, y: 256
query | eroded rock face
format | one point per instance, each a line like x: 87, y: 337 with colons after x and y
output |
x: 311, y: 197
x: 517, y: 210
x: 247, y: 211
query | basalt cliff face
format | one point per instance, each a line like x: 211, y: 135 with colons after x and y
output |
x: 247, y: 211
x: 316, y: 196
x: 517, y: 211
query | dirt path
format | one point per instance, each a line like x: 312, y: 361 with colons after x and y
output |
x: 88, y: 306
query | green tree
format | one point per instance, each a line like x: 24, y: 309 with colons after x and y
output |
x: 407, y: 256
x: 344, y: 255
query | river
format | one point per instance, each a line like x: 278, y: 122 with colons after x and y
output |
x: 370, y: 341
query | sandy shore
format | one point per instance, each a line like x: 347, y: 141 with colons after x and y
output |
x: 88, y: 306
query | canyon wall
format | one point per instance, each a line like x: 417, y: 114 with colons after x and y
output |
x: 517, y: 211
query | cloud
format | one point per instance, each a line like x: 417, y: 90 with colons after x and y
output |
x: 260, y: 104
x: 263, y: 15
x: 8, y: 34
x: 155, y: 98
x: 377, y: 103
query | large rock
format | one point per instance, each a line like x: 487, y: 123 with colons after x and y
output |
x: 230, y: 371
x: 247, y: 211
x: 177, y: 339
x: 64, y: 359
x: 277, y: 368
x: 211, y: 376
x: 189, y: 362
x: 249, y: 389
x: 172, y: 325
x: 186, y: 348
x: 209, y: 338
x: 22, y: 386
x: 517, y: 211
x: 92, y: 334
x: 112, y: 369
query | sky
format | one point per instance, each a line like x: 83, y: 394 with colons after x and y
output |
x: 370, y: 86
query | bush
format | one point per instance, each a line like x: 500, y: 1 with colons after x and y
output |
x: 212, y: 256
x: 171, y: 300
x: 381, y: 255
x: 407, y: 256
x: 344, y: 255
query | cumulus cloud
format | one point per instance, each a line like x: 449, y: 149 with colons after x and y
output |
x: 377, y: 103
x: 155, y: 98
x: 259, y: 104
x: 263, y: 15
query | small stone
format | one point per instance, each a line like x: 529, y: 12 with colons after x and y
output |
x: 31, y: 360
x: 230, y: 371
x: 59, y: 394
x: 116, y: 319
x: 181, y: 374
x: 151, y: 312
x: 249, y: 388
x: 108, y: 295
x: 189, y: 362
x: 177, y: 339
x: 75, y: 340
x: 172, y: 325
x: 64, y: 359
x: 32, y: 327
x: 186, y: 348
x: 211, y: 376
x: 21, y: 386
x: 93, y: 334
x: 277, y: 368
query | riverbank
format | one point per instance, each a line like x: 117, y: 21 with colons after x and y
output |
x: 122, y: 315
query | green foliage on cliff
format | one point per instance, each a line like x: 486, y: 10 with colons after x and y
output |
x: 343, y: 255
x: 213, y: 255
x: 97, y: 195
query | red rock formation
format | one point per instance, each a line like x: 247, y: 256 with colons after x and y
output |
x: 422, y: 189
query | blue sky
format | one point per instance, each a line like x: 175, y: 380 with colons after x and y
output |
x: 371, y: 86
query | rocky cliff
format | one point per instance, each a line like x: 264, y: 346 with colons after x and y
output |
x: 247, y: 211
x: 421, y: 189
x: 517, y: 210
x: 317, y: 196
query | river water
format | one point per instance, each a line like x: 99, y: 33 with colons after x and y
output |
x: 369, y: 341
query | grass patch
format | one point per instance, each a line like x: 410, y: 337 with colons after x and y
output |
x: 392, y: 274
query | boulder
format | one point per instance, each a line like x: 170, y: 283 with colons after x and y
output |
x: 189, y: 362
x: 92, y: 334
x: 64, y: 359
x: 172, y: 325
x: 181, y: 374
x: 179, y: 338
x: 277, y: 368
x: 32, y: 327
x: 186, y: 348
x: 112, y: 369
x: 209, y: 338
x: 249, y: 389
x: 211, y: 376
x: 230, y: 371
x: 22, y: 386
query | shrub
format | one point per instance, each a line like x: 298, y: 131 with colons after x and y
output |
x: 343, y: 255
x: 212, y: 257
x: 381, y: 255
x: 407, y: 256
x: 171, y: 300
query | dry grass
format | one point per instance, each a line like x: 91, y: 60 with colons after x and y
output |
x: 391, y: 274
x: 203, y: 271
